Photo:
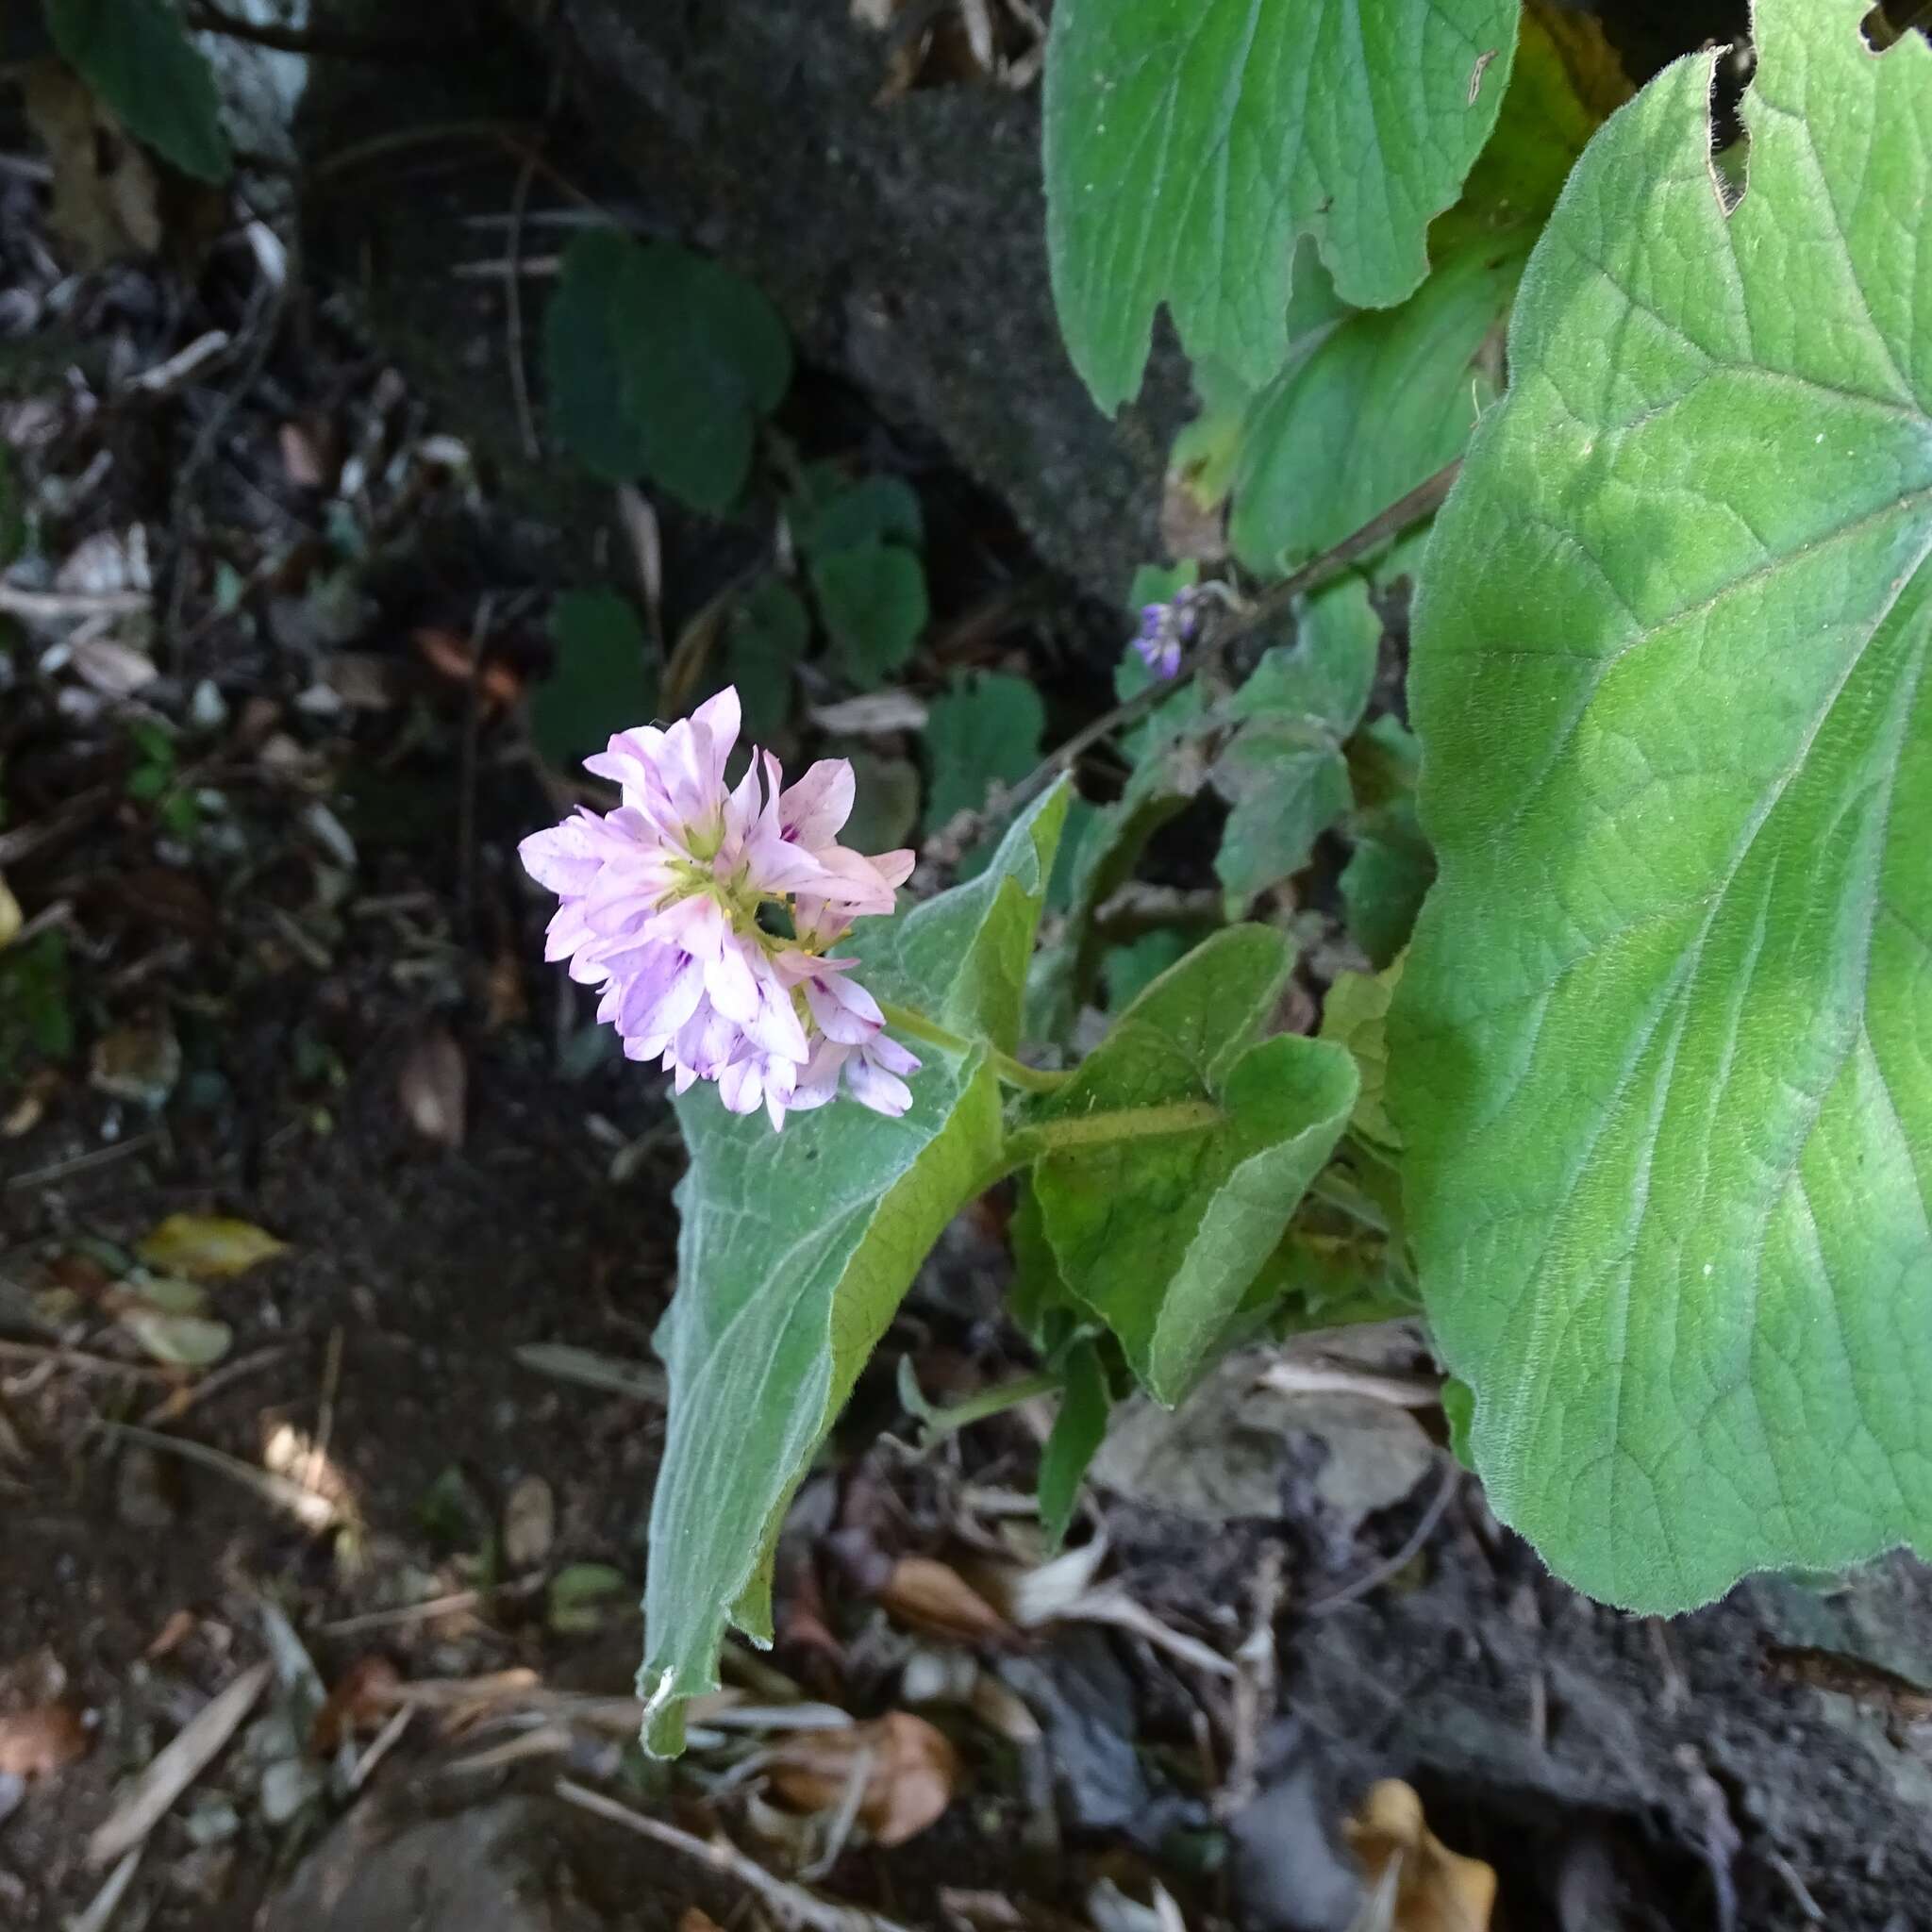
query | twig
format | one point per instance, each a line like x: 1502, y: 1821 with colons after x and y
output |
x: 173, y: 1407
x: 512, y: 281
x: 325, y: 1410
x: 384, y: 1743
x: 176, y: 1766
x: 78, y: 1361
x: 42, y: 605
x: 83, y: 1163
x: 1391, y: 1566
x: 107, y: 1902
x: 1254, y: 1688
x: 466, y: 793
x: 1421, y: 501
x: 641, y: 1381
x: 448, y: 1604
x: 793, y: 1903
x: 312, y: 1511
x: 1304, y: 1377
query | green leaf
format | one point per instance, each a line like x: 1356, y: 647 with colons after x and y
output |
x: 660, y: 364
x: 764, y: 638
x: 1659, y: 1056
x: 1380, y: 401
x: 1189, y: 143
x: 886, y: 808
x: 1355, y: 1014
x: 985, y: 731
x: 135, y: 55
x: 34, y: 1007
x: 1324, y: 677
x: 796, y: 1248
x: 1287, y: 784
x: 1161, y: 1234
x: 873, y: 600
x: 1128, y: 971
x: 603, y: 681
x: 1077, y: 1430
x: 829, y: 515
x: 1387, y: 877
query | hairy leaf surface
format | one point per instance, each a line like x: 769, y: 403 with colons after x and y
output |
x: 1662, y: 1051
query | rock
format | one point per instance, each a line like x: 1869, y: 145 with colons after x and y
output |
x: 478, y: 1871
x: 916, y: 263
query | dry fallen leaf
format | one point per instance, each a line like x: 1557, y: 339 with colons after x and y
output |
x: 529, y: 1523
x: 208, y: 1246
x: 105, y: 191
x: 696, y: 1920
x: 926, y: 1594
x: 1434, y: 1888
x: 34, y: 1743
x: 454, y: 656
x: 363, y: 1700
x: 10, y: 913
x: 433, y: 1087
x: 910, y: 1775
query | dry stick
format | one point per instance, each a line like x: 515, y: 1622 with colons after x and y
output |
x: 176, y: 1767
x: 1374, y: 1579
x: 312, y: 1511
x: 1421, y: 501
x: 170, y: 1409
x: 792, y: 1903
x: 328, y: 44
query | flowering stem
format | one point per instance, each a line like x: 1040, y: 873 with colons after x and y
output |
x: 1011, y: 1072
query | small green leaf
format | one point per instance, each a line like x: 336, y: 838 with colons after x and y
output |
x: 1128, y: 971
x: 1189, y: 143
x: 1659, y: 1056
x: 1356, y: 1015
x: 34, y: 1007
x: 796, y: 1248
x: 135, y: 55
x: 1077, y: 1431
x: 1161, y: 1234
x: 873, y: 600
x: 1459, y: 1411
x: 984, y: 731
x: 764, y: 638
x: 582, y: 1597
x: 1287, y: 784
x: 603, y: 680
x: 875, y: 509
x: 1326, y: 675
x: 1386, y: 878
x: 660, y: 364
x: 183, y: 1342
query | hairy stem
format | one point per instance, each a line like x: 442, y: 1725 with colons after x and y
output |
x: 1100, y: 1128
x: 1012, y: 1073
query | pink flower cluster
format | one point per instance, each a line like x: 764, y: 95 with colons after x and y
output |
x: 660, y: 906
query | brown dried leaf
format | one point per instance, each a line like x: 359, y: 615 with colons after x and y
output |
x: 454, y: 657
x: 433, y: 1087
x: 105, y: 191
x: 362, y: 1701
x: 696, y: 1920
x: 929, y: 1595
x: 529, y: 1523
x: 1435, y: 1889
x: 911, y: 1774
x: 43, y: 1740
x: 208, y: 1247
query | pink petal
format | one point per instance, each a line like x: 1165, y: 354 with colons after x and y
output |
x: 844, y: 1010
x: 812, y: 811
x: 873, y: 1087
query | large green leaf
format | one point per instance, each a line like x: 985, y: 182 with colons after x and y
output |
x: 1189, y: 143
x: 795, y: 1249
x: 136, y: 57
x: 1161, y: 1234
x: 1662, y: 1051
x: 604, y: 679
x: 660, y: 364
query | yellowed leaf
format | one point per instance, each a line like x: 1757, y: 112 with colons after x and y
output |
x: 10, y: 913
x: 1435, y: 1889
x: 183, y: 1342
x: 208, y: 1246
x: 929, y: 1595
x: 909, y: 1771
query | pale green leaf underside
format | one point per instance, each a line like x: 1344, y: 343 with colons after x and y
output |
x: 1662, y: 1052
x: 793, y: 1251
x: 1190, y: 144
